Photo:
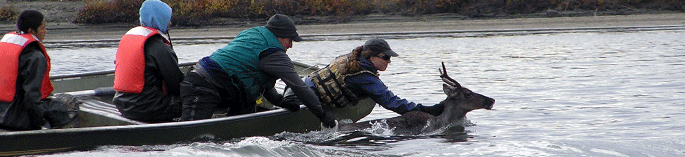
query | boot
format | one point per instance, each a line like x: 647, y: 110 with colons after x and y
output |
x: 72, y: 104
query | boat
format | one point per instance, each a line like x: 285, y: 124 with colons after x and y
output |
x: 100, y: 123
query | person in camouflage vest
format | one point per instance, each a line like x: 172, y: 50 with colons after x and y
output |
x: 354, y: 76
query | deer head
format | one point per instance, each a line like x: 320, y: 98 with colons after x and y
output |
x: 460, y: 100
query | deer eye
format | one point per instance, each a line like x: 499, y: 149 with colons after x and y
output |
x: 468, y: 95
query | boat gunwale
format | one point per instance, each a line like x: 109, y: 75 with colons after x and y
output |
x: 152, y: 126
x: 108, y: 72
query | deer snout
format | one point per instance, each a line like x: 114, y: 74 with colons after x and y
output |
x: 488, y: 103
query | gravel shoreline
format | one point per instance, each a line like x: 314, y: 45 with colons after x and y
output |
x: 68, y: 31
x: 60, y: 28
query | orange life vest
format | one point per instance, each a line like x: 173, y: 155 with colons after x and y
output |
x: 129, y: 69
x: 11, y: 46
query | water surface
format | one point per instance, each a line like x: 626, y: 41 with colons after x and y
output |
x: 558, y: 94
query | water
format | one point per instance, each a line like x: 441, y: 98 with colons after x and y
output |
x: 558, y: 94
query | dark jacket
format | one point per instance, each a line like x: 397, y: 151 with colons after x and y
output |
x: 277, y: 63
x: 367, y: 85
x: 27, y: 110
x: 161, y: 67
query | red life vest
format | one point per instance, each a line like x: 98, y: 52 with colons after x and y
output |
x: 129, y: 69
x: 11, y: 46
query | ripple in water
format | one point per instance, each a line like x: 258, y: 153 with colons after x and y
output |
x: 558, y: 94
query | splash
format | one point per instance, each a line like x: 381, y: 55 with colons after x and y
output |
x: 380, y: 128
x: 263, y: 146
x: 458, y: 127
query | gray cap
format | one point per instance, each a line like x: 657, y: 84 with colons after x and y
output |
x: 283, y: 27
x: 379, y: 45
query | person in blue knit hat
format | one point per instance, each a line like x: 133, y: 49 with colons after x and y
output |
x: 146, y: 74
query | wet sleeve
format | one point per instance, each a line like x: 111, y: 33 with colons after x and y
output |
x: 32, y: 67
x: 167, y: 63
x: 373, y: 87
x: 279, y: 65
x: 272, y: 96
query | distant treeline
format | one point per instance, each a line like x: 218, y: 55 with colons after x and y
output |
x: 198, y: 12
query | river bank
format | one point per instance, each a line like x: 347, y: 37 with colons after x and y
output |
x: 60, y: 13
x: 378, y: 24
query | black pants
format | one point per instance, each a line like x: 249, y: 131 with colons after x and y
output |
x: 171, y: 111
x: 147, y: 109
x: 201, y: 98
x: 34, y: 117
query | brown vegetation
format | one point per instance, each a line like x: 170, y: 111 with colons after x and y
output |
x: 208, y: 12
x: 8, y: 13
x: 109, y: 11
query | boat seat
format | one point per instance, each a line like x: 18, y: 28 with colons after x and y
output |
x: 98, y: 113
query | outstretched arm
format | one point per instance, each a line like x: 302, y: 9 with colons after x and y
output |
x: 279, y: 65
x: 373, y: 87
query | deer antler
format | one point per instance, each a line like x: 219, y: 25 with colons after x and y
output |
x: 447, y: 79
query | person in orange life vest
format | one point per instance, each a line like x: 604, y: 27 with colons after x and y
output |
x: 146, y: 75
x: 25, y: 103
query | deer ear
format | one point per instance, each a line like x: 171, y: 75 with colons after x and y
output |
x: 450, y: 90
x: 446, y: 89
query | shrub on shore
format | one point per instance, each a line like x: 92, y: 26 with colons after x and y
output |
x: 109, y: 11
x: 200, y: 12
x: 8, y: 13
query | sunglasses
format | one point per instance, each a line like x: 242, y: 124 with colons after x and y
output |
x: 384, y: 57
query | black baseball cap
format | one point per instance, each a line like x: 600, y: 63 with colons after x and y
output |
x: 379, y: 45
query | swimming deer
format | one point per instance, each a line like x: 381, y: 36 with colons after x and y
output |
x: 459, y: 101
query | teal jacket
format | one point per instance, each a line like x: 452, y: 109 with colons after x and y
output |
x: 240, y: 59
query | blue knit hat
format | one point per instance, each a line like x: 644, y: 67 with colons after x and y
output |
x: 155, y: 14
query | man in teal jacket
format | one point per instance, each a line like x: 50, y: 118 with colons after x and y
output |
x: 235, y: 76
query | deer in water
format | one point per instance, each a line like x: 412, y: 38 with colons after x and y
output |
x: 459, y: 101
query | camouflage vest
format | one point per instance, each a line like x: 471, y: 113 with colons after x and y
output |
x: 330, y: 82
